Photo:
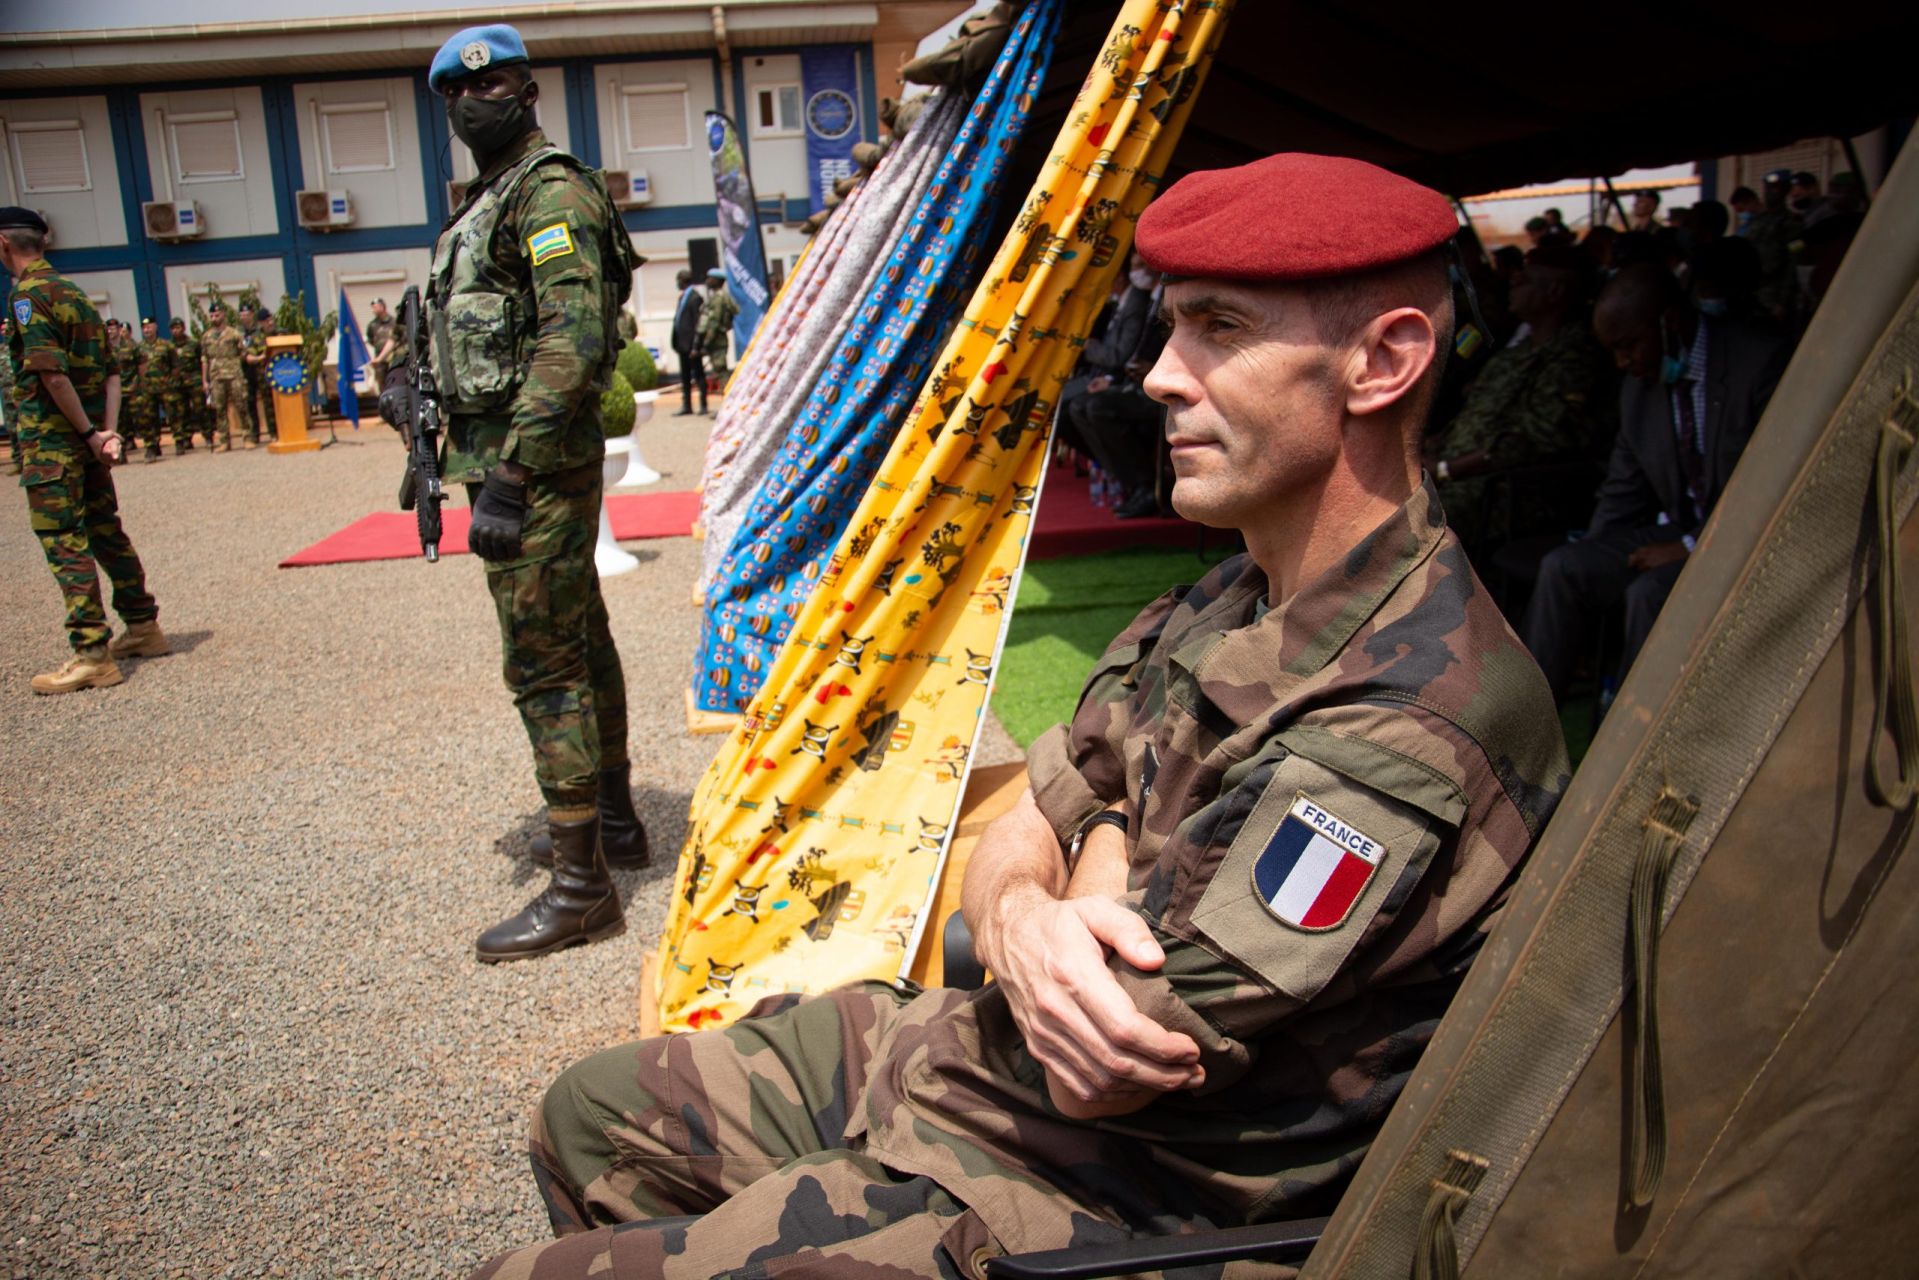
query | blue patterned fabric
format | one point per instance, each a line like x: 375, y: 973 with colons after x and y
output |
x: 880, y: 361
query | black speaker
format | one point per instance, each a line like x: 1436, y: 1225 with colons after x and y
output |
x: 702, y: 256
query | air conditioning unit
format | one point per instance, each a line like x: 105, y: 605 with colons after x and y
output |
x: 324, y: 210
x: 172, y: 219
x: 455, y: 194
x: 628, y: 187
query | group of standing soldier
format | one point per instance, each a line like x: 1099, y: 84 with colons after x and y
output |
x: 187, y: 386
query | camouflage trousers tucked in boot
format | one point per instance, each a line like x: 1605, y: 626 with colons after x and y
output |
x: 76, y: 516
x: 580, y: 905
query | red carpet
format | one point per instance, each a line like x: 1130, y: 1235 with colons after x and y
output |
x: 395, y: 535
x: 1068, y: 524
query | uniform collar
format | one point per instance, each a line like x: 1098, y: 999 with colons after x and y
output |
x: 1315, y: 625
x: 530, y: 141
x: 39, y: 266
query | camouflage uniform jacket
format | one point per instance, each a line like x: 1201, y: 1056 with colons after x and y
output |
x: 1388, y: 705
x: 551, y: 240
x: 1538, y: 401
x: 186, y: 368
x: 153, y: 362
x: 224, y: 349
x: 716, y: 320
x: 57, y: 330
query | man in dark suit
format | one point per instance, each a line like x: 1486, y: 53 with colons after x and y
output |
x: 1694, y: 388
x: 686, y: 345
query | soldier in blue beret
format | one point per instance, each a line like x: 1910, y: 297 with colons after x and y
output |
x: 526, y: 282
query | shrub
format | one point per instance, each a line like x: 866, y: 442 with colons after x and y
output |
x: 616, y: 407
x: 636, y: 366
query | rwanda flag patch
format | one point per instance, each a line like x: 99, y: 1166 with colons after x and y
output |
x: 1311, y: 873
x: 553, y: 242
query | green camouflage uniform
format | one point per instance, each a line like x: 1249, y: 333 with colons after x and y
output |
x: 522, y: 364
x: 716, y: 330
x: 378, y: 330
x: 70, y: 497
x: 876, y: 1133
x: 147, y: 393
x: 224, y: 349
x: 258, y: 387
x: 1541, y: 402
x: 9, y: 413
x: 187, y: 399
x: 1777, y: 235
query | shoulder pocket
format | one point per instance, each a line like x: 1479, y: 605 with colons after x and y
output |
x: 1329, y: 854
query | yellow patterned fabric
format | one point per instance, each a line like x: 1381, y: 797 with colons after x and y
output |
x: 818, y: 832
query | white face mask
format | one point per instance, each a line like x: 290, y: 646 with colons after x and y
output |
x: 1141, y: 279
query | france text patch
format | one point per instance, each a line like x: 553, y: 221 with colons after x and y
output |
x: 1315, y: 867
x: 552, y: 242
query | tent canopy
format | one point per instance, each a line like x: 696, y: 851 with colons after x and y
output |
x: 1501, y: 95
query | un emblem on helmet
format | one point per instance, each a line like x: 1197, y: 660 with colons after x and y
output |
x: 475, y: 55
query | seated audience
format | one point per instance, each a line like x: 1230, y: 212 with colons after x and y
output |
x: 1544, y: 399
x: 1693, y: 391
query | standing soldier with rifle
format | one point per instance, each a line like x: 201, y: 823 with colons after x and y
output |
x: 525, y: 284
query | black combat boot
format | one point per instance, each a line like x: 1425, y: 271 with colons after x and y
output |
x: 580, y: 905
x: 622, y: 837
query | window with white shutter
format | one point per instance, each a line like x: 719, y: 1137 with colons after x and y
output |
x: 51, y: 155
x: 206, y: 147
x: 656, y: 117
x: 776, y: 111
x: 359, y: 137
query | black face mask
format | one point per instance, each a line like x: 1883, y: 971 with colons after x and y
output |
x: 487, y: 125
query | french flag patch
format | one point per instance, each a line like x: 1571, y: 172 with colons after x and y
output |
x: 1315, y: 867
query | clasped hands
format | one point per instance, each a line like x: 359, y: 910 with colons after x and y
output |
x: 1102, y: 1055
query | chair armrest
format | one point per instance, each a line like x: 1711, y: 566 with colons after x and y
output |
x: 1266, y: 1242
x: 962, y: 968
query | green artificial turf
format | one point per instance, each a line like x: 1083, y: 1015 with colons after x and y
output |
x: 1068, y: 611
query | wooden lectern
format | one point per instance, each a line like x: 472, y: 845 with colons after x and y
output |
x: 286, y: 371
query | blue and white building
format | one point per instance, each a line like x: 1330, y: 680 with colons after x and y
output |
x: 293, y: 146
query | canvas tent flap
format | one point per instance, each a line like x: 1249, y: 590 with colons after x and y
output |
x: 1735, y: 703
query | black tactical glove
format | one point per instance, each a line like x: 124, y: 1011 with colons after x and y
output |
x: 499, y: 513
x: 396, y: 405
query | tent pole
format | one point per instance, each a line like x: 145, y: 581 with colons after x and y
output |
x: 1858, y: 172
x: 1618, y: 208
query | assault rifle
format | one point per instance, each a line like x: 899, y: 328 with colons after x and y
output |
x: 416, y: 414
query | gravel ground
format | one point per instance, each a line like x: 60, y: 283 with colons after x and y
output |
x: 243, y: 1031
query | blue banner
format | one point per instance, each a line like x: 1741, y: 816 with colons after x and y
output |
x: 353, y: 358
x: 781, y: 550
x: 742, y: 251
x: 829, y: 87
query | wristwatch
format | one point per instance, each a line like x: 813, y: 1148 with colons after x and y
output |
x: 1104, y: 818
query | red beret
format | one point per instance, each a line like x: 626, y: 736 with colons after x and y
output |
x: 1292, y: 217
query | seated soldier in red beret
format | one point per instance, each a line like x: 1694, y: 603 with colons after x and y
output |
x: 1246, y: 880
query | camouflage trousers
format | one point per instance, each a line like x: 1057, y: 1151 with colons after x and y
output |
x: 140, y: 420
x: 187, y: 413
x: 260, y: 402
x: 747, y: 1127
x: 231, y: 389
x: 558, y: 656
x: 76, y: 516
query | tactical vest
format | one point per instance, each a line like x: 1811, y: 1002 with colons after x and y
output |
x: 481, y: 319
